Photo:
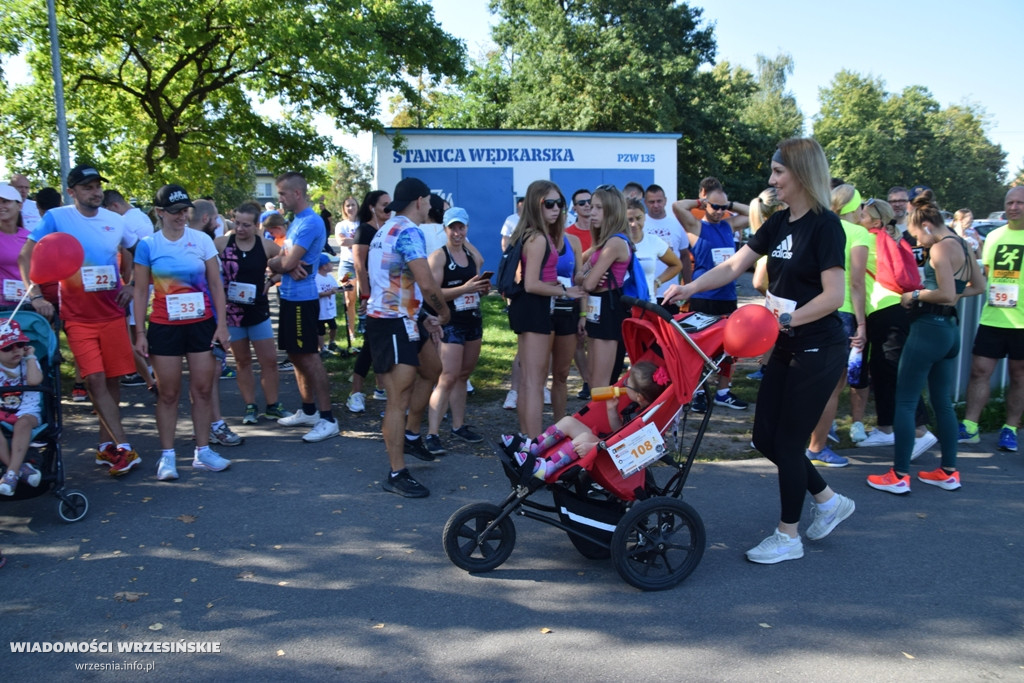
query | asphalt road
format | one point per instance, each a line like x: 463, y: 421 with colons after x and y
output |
x: 300, y: 567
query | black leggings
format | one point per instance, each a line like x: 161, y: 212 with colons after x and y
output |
x: 793, y: 393
x: 887, y: 334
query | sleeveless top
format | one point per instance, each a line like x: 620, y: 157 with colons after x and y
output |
x: 245, y: 268
x: 616, y: 271
x: 566, y: 269
x: 465, y: 310
x: 549, y: 268
x: 929, y: 280
x: 715, y: 244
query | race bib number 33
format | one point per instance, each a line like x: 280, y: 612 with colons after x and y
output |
x: 185, y: 306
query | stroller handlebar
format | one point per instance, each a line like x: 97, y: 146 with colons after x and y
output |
x: 647, y: 306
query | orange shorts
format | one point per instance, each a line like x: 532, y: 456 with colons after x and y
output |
x: 101, y: 347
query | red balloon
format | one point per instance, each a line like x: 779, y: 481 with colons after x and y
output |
x: 56, y: 257
x: 750, y: 331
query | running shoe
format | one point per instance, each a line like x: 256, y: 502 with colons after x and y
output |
x: 132, y: 380
x: 228, y: 373
x: 511, y: 400
x: 380, y: 395
x: 923, y: 443
x: 513, y: 443
x: 1007, y: 440
x: 78, y: 393
x: 730, y: 401
x: 833, y: 435
x: 417, y: 449
x: 224, y: 436
x: 208, y: 459
x: 699, y: 403
x: 166, y: 469
x: 298, y: 419
x: 126, y: 459
x: 8, y: 483
x: 857, y: 433
x: 321, y: 431
x: 584, y: 394
x: 276, y: 411
x: 469, y: 388
x: 825, y: 522
x: 940, y: 478
x: 29, y: 474
x: 251, y: 416
x: 778, y: 547
x: 878, y: 438
x: 890, y: 482
x: 356, y: 403
x: 285, y: 365
x: 826, y: 458
x: 969, y: 437
x: 333, y: 348
x: 403, y: 484
x: 467, y: 434
x: 433, y: 445
x: 757, y: 375
x: 106, y: 456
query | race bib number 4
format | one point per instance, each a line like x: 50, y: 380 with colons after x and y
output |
x: 14, y: 289
x: 99, y: 278
x: 241, y: 292
x: 999, y: 295
x: 185, y: 306
x: 637, y: 450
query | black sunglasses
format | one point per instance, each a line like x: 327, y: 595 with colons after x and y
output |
x: 175, y: 212
x: 582, y: 202
x: 606, y: 188
x: 552, y: 203
x: 718, y: 207
x: 15, y: 345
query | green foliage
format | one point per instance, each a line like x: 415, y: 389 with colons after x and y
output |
x: 161, y: 91
x: 875, y: 139
x: 347, y: 177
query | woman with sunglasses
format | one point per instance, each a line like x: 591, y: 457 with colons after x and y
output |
x: 540, y: 229
x: 182, y: 265
x: 605, y: 273
x: 804, y: 244
x: 930, y: 355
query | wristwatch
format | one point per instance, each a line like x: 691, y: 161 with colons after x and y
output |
x: 785, y: 320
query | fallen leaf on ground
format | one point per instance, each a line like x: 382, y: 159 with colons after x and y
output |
x: 908, y: 656
x: 128, y: 596
x: 187, y: 519
x: 156, y: 627
x: 546, y: 630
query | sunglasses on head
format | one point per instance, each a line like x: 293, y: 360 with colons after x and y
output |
x: 552, y: 203
x: 718, y: 207
x: 582, y: 202
x: 15, y: 345
x: 606, y: 188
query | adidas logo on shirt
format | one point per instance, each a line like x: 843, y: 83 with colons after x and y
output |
x: 785, y: 249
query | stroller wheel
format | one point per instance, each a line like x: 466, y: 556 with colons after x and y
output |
x: 657, y: 543
x: 466, y: 545
x: 73, y: 506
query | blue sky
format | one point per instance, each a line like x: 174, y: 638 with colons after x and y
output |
x: 961, y: 52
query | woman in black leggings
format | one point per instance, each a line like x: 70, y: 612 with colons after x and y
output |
x: 805, y: 249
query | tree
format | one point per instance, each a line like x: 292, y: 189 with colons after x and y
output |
x: 876, y: 139
x: 347, y: 177
x: 164, y: 90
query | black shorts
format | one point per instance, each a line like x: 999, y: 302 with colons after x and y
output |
x: 297, y: 326
x: 609, y: 323
x: 390, y: 344
x: 565, y: 323
x: 530, y: 313
x: 712, y: 306
x: 462, y: 332
x: 178, y: 340
x: 999, y: 342
x: 323, y: 325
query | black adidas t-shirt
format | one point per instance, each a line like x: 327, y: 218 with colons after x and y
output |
x: 798, y: 252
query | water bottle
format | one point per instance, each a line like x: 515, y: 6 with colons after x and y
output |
x: 853, y: 365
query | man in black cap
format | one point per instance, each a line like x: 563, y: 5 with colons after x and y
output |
x: 92, y: 305
x: 403, y: 343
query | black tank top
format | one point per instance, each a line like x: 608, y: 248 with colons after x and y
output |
x: 453, y: 275
x: 245, y: 267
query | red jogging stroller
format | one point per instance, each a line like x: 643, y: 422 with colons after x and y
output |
x: 607, y: 501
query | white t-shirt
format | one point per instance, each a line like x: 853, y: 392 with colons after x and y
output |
x: 345, y: 229
x: 328, y: 304
x: 137, y: 223
x: 30, y: 214
x: 669, y: 230
x: 434, y: 235
x: 649, y: 253
x: 510, y: 225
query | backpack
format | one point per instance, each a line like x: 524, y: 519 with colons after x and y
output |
x: 635, y: 282
x: 507, y: 284
x: 895, y: 263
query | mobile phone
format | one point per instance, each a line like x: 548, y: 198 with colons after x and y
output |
x: 487, y: 274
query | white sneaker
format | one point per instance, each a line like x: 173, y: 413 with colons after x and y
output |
x: 878, y: 438
x: 323, y: 429
x: 857, y: 433
x: 922, y: 444
x: 299, y: 418
x: 208, y: 459
x: 469, y: 387
x: 166, y: 470
x: 776, y: 548
x: 511, y: 400
x: 547, y: 396
x: 380, y: 395
x: 356, y: 403
x: 825, y: 522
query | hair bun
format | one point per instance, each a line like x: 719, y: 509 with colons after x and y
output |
x: 924, y: 199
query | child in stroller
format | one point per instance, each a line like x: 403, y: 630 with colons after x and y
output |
x: 20, y: 410
x: 569, y: 438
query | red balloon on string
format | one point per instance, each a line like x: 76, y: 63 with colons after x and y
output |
x: 56, y: 257
x: 750, y: 331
